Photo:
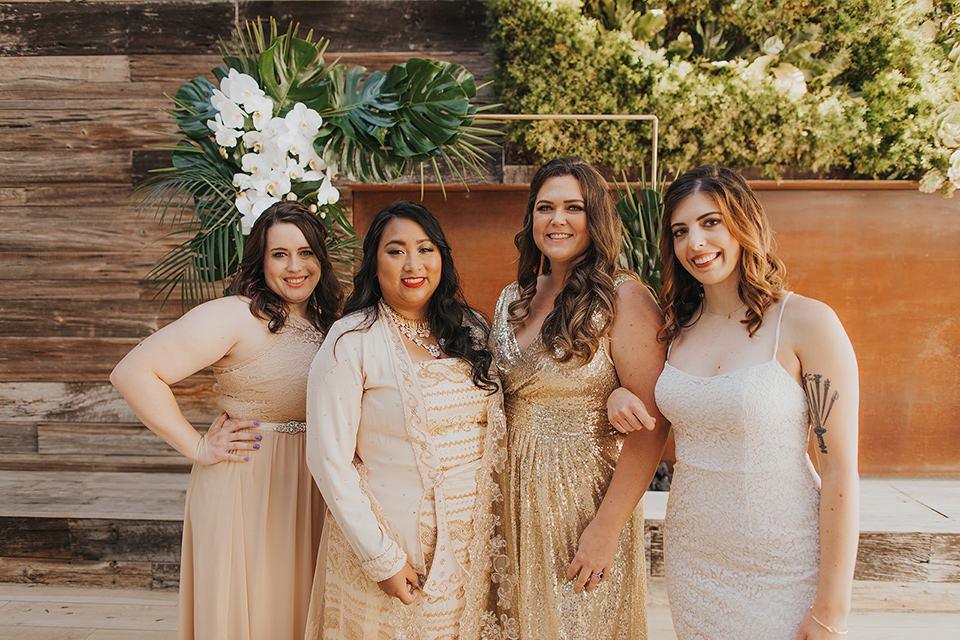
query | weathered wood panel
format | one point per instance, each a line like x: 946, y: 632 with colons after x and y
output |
x: 18, y: 438
x: 899, y: 557
x: 86, y: 462
x: 90, y: 573
x: 125, y: 540
x: 34, y: 538
x: 66, y: 438
x: 77, y: 318
x: 104, y: 28
x: 96, y: 402
x: 18, y: 168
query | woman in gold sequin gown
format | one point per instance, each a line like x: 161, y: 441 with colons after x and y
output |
x: 406, y: 428
x: 253, y: 515
x: 569, y: 331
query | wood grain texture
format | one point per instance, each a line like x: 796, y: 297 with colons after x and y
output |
x: 104, y: 28
x: 100, y: 439
x: 80, y: 572
x: 90, y: 318
x: 96, y: 402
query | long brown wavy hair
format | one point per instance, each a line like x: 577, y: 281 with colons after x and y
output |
x: 323, y: 307
x: 570, y: 331
x: 761, y: 271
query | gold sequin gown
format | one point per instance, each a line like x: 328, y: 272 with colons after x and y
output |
x: 251, y: 529
x: 562, y: 453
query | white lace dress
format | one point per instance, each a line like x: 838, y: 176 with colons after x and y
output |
x: 741, y: 537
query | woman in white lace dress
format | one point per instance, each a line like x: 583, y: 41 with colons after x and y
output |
x: 754, y: 547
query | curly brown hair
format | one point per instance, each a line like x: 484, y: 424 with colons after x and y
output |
x: 325, y: 302
x: 761, y: 271
x: 570, y: 330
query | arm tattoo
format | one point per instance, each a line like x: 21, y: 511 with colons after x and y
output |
x: 820, y: 403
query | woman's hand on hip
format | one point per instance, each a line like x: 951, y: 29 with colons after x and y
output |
x: 226, y: 435
x: 404, y: 585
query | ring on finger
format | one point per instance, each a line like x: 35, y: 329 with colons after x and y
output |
x: 597, y: 574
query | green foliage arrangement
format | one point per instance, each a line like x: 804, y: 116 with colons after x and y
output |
x: 641, y: 211
x: 282, y: 125
x: 852, y: 88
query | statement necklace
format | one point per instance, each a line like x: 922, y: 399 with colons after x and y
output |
x: 414, y: 330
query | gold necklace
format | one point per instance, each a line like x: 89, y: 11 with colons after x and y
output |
x: 414, y: 330
x: 707, y: 309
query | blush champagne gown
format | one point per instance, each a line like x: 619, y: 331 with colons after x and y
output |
x: 251, y: 529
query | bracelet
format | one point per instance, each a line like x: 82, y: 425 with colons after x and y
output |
x: 828, y: 627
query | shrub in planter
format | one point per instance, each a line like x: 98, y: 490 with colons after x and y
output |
x: 865, y: 88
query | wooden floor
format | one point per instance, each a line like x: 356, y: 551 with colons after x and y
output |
x: 42, y: 612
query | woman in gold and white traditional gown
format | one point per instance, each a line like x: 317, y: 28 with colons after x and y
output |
x: 253, y: 516
x: 569, y: 331
x: 405, y: 429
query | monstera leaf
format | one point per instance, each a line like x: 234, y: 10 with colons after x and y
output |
x: 193, y: 100
x: 434, y: 106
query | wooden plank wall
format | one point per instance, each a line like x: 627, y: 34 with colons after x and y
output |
x: 81, y: 85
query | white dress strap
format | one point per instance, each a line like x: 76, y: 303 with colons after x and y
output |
x: 783, y: 303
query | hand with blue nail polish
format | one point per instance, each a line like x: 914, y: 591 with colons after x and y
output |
x: 224, y: 437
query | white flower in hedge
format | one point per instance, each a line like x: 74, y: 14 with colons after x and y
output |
x: 931, y: 181
x: 790, y: 80
x: 953, y: 173
x: 948, y: 126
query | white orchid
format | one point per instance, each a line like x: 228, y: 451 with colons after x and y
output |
x: 226, y: 136
x: 327, y: 193
x: 251, y: 204
x: 243, y: 90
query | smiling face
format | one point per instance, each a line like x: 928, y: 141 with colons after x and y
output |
x: 290, y: 267
x: 702, y: 241
x: 408, y: 267
x: 560, y: 228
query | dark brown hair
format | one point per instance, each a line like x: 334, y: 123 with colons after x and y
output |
x: 323, y: 307
x: 570, y: 330
x: 761, y: 271
x: 459, y: 328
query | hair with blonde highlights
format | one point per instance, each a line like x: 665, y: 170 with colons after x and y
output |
x: 761, y: 271
x: 570, y: 331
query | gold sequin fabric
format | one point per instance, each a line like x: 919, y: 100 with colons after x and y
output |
x: 562, y: 453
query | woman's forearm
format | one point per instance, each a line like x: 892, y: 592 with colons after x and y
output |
x: 839, y: 536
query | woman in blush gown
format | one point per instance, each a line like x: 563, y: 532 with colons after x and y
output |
x: 571, y: 329
x: 754, y: 547
x: 253, y: 515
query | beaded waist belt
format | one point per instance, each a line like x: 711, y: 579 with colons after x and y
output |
x: 291, y: 426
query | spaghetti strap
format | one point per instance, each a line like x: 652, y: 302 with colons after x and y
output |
x: 776, y: 344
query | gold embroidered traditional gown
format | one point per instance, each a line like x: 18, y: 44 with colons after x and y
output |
x: 404, y: 453
x: 251, y: 529
x: 562, y: 452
